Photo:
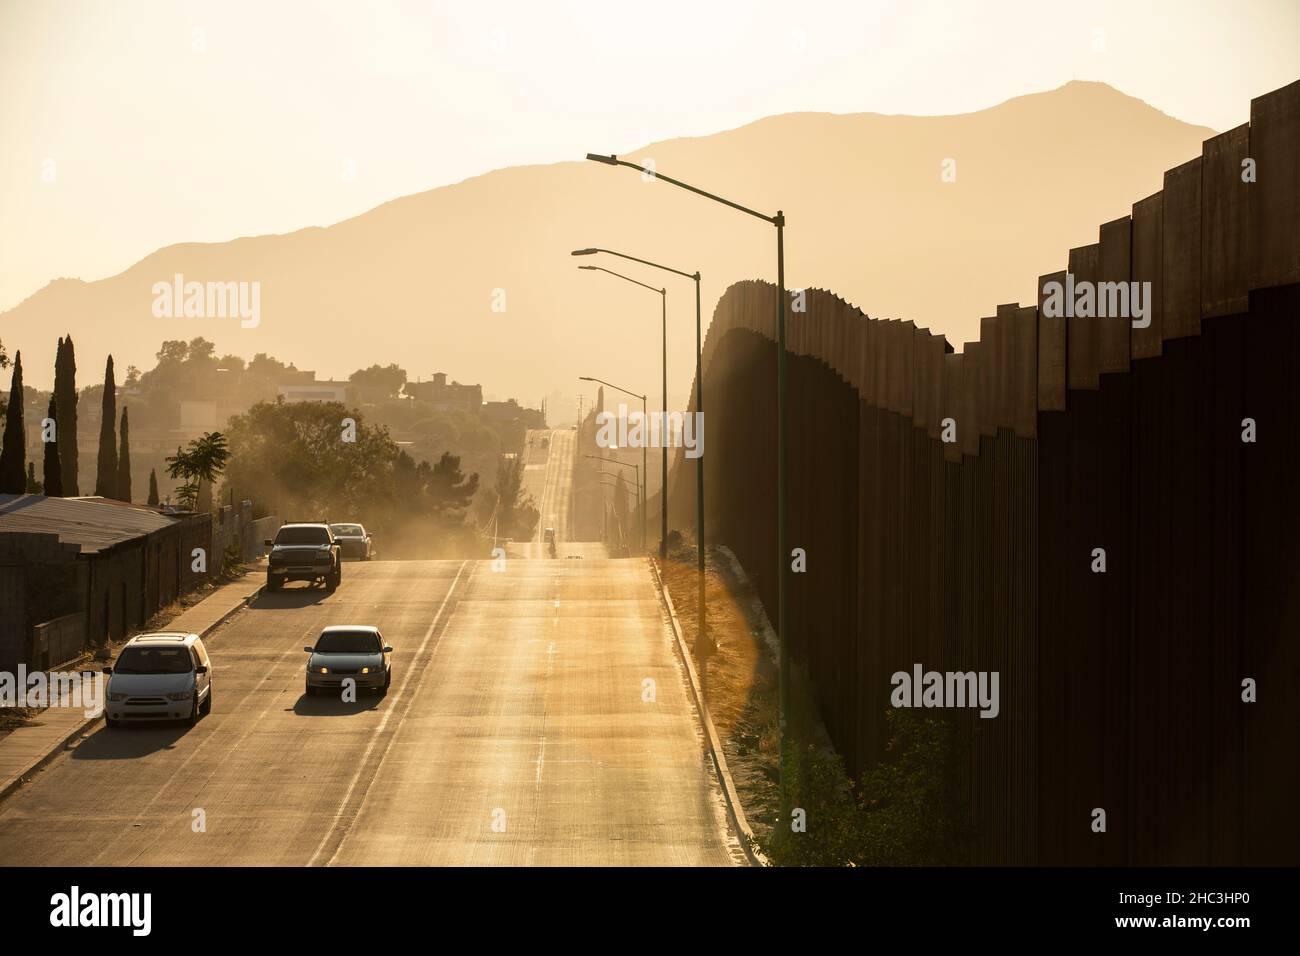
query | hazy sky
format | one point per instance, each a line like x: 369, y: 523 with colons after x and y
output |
x: 130, y: 125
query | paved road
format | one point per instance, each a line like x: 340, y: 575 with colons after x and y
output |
x: 515, y: 733
x: 548, y: 477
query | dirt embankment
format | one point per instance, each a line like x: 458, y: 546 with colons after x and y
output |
x: 741, y: 677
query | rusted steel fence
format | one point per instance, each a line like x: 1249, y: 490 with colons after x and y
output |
x: 1170, y: 447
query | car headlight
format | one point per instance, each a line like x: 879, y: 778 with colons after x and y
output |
x: 179, y: 695
x: 319, y: 670
x: 117, y: 698
x: 366, y: 670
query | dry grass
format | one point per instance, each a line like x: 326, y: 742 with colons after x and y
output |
x: 742, y: 679
x: 14, y: 717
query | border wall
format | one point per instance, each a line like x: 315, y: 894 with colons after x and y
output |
x: 1120, y: 690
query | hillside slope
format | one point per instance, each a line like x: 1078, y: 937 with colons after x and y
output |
x: 869, y: 216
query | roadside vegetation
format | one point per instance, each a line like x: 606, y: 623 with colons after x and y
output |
x: 503, y: 510
x: 905, y: 810
x: 292, y: 460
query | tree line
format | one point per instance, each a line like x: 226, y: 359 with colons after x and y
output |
x: 291, y: 459
x: 60, y: 465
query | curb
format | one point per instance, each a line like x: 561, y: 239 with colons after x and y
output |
x: 25, y: 774
x: 734, y: 810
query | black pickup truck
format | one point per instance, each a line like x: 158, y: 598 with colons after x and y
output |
x: 304, y: 552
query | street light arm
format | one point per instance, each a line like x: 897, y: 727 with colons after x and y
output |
x: 610, y: 461
x: 615, y: 161
x: 589, y: 378
x: 621, y: 276
x: 644, y: 262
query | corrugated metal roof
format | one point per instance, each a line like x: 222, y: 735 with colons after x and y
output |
x: 93, y: 525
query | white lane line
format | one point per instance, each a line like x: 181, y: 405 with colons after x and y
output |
x: 541, y: 753
x: 212, y: 735
x: 379, y: 731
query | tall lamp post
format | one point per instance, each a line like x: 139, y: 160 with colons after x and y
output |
x: 703, y: 647
x: 613, y: 477
x: 640, y: 487
x: 783, y: 555
x: 645, y: 473
x: 663, y: 490
x: 611, y: 482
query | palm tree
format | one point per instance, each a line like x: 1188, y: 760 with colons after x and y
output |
x: 203, y: 460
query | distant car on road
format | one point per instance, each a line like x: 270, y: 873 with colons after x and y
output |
x: 354, y: 541
x: 163, y: 676
x: 346, y: 651
x: 304, y: 552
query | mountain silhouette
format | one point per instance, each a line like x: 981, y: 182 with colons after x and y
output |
x: 870, y: 216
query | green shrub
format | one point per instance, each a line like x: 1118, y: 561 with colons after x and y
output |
x: 232, y: 560
x: 904, y: 811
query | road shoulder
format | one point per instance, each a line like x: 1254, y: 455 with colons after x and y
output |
x: 735, y: 810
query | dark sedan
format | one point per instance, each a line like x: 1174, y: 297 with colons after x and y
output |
x: 354, y: 541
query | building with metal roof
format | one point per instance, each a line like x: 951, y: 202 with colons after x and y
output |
x: 93, y: 524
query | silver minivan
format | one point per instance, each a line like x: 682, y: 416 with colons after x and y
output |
x: 164, y: 676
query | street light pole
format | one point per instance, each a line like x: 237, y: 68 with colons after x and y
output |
x: 639, y: 486
x: 608, y: 481
x: 663, y: 490
x: 645, y: 421
x: 703, y: 644
x: 783, y: 557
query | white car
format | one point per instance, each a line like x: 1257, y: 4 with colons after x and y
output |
x: 165, y: 676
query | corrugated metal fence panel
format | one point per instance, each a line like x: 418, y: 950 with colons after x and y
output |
x: 1275, y: 196
x: 1148, y: 266
x: 1083, y: 358
x: 1051, y: 349
x: 1114, y: 264
x: 1225, y: 237
x: 1182, y: 251
x: 1024, y: 380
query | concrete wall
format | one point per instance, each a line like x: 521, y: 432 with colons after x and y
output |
x: 58, y: 641
x: 40, y: 579
x: 115, y: 591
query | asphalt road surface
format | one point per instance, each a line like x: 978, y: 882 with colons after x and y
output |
x: 548, y: 478
x: 521, y: 729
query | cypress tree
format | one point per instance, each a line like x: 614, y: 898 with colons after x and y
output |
x: 33, y: 486
x: 106, y: 472
x: 65, y: 396
x: 124, y: 464
x: 13, y: 450
x: 53, y: 469
x: 153, y: 487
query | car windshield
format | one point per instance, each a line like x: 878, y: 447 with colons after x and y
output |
x: 302, y: 536
x: 154, y: 660
x: 348, y: 642
x: 348, y: 529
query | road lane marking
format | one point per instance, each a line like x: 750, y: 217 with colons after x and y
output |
x: 211, y: 735
x: 379, y: 731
